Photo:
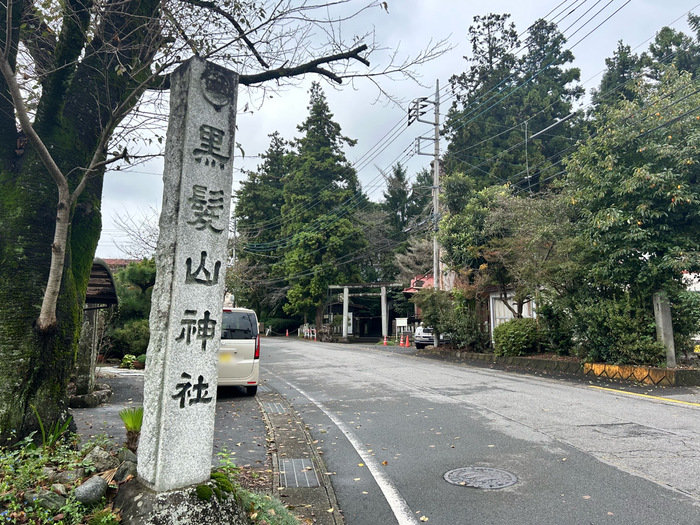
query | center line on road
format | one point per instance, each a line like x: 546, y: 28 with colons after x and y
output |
x: 393, y: 497
x: 659, y: 398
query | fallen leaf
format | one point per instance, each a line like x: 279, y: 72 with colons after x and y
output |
x: 360, y: 464
x: 330, y: 511
x: 424, y: 518
x: 385, y: 463
x: 357, y: 479
x: 586, y: 497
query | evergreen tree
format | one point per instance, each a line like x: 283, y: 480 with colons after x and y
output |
x: 259, y: 224
x: 492, y: 63
x: 73, y: 76
x: 674, y: 47
x: 620, y: 71
x: 321, y: 196
x: 421, y: 197
x: 397, y: 202
x: 670, y: 47
x: 260, y: 197
x: 502, y: 101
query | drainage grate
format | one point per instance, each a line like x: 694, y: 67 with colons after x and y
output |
x: 480, y: 477
x: 264, y: 388
x: 274, y: 408
x: 298, y: 473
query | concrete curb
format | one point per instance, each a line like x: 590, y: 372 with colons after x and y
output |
x: 300, y: 478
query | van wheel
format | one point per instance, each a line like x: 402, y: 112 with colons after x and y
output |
x: 251, y: 390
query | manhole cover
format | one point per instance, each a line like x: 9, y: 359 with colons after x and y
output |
x: 480, y: 477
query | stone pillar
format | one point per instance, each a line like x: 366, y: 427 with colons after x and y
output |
x: 85, y: 358
x: 177, y: 436
x: 385, y: 320
x: 664, y: 327
x: 346, y: 300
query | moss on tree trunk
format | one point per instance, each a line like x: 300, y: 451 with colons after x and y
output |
x: 35, y: 365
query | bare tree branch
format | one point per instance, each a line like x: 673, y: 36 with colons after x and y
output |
x: 141, y: 233
x: 310, y: 67
x: 216, y: 9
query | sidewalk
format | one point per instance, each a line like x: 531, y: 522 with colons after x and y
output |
x: 300, y: 479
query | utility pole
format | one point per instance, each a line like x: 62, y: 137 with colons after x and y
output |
x: 415, y: 111
x: 436, y: 190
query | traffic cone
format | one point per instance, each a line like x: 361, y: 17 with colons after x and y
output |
x: 287, y: 335
x: 407, y: 344
x: 384, y: 340
x: 401, y: 340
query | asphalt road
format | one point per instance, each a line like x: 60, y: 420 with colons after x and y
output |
x: 390, y: 426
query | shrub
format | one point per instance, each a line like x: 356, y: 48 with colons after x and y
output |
x: 465, y: 330
x: 617, y: 331
x: 132, y: 417
x: 132, y: 338
x: 127, y: 361
x: 555, y: 328
x: 516, y: 337
x: 685, y: 310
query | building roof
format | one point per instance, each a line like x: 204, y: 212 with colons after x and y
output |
x: 118, y: 264
x: 101, y: 288
x: 419, y: 282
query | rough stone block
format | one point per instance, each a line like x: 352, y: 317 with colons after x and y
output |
x: 102, y: 459
x: 91, y: 491
x: 140, y: 506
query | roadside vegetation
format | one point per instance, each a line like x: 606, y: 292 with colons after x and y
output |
x: 35, y: 479
x: 38, y: 477
x: 586, y: 222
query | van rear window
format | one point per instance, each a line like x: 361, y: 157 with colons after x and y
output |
x: 238, y: 325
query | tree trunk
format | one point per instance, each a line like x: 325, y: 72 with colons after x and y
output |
x: 36, y: 364
x: 319, y: 316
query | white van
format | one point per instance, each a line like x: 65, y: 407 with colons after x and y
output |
x: 239, y: 354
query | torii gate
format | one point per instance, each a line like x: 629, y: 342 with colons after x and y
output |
x: 346, y: 295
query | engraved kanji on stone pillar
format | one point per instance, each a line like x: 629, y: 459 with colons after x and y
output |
x: 175, y: 448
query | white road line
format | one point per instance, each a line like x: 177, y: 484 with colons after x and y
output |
x: 393, y: 497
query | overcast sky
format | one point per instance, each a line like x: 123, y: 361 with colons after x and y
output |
x: 410, y: 25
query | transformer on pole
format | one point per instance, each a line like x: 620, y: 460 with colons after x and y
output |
x: 416, y: 110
